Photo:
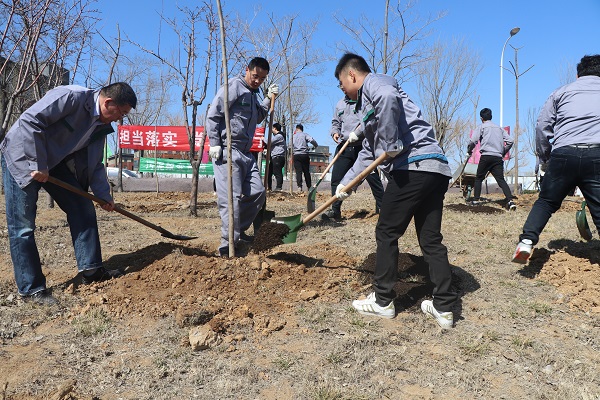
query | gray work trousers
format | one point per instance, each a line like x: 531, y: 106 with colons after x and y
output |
x: 248, y: 194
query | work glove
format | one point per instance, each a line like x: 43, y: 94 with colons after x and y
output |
x: 273, y: 90
x: 543, y: 166
x: 215, y: 152
x: 341, y: 195
x: 352, y: 137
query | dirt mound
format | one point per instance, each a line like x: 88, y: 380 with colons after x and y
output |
x: 197, y: 287
x: 478, y: 209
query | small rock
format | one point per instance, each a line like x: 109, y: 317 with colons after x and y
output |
x: 548, y: 369
x: 308, y: 295
x: 203, y: 337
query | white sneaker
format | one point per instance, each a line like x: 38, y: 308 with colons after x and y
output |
x: 369, y: 306
x: 444, y: 319
x: 523, y: 251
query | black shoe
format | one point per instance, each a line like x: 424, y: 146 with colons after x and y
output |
x: 43, y: 297
x: 100, y: 274
x: 244, y: 238
x: 331, y: 215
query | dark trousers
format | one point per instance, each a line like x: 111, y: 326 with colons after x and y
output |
x: 495, y: 165
x: 568, y: 167
x: 418, y: 195
x: 302, y: 167
x: 276, y: 168
x: 343, y: 164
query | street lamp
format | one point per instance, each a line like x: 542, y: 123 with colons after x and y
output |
x: 513, y: 32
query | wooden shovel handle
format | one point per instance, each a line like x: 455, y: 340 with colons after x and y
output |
x: 270, y: 135
x: 334, y: 159
x: 348, y: 187
x: 98, y: 200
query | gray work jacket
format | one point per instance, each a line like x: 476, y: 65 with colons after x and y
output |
x: 51, y: 130
x: 392, y: 122
x: 346, y: 120
x: 300, y: 142
x: 494, y: 141
x: 245, y: 111
x: 571, y: 115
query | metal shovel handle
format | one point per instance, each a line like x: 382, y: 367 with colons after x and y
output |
x: 348, y: 187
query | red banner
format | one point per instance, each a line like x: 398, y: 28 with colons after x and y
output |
x: 170, y: 138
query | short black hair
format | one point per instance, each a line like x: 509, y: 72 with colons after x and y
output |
x: 121, y: 93
x: 299, y: 126
x: 277, y: 126
x: 589, y: 65
x: 351, y: 60
x: 260, y: 63
x: 486, y: 114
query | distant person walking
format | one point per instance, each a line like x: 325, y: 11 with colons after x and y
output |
x: 494, y: 144
x: 301, y: 143
x: 278, y: 149
x: 568, y: 147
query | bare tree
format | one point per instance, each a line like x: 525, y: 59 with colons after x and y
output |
x: 397, y: 48
x: 446, y: 82
x: 193, y: 83
x: 39, y: 39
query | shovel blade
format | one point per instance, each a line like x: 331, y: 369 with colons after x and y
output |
x: 294, y: 223
x: 177, y: 237
x: 582, y: 224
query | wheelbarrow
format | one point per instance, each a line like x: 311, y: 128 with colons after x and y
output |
x: 134, y: 217
x: 295, y: 222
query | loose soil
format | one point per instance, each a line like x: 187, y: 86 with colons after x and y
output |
x: 280, y: 317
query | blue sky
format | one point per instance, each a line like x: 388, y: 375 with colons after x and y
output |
x: 554, y: 35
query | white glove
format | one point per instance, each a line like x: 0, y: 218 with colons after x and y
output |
x: 341, y: 195
x: 352, y: 137
x: 273, y: 90
x: 215, y: 152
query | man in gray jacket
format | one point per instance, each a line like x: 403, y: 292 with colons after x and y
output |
x: 62, y: 135
x: 245, y: 111
x: 277, y: 157
x: 568, y: 147
x: 418, y: 180
x: 494, y: 144
x: 300, y: 142
x: 346, y: 126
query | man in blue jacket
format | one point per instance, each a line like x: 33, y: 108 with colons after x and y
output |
x: 418, y: 180
x: 62, y: 135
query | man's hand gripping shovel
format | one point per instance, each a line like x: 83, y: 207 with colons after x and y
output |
x: 295, y: 222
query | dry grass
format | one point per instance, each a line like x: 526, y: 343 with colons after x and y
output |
x: 515, y: 337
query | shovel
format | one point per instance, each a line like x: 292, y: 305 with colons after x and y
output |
x: 582, y: 224
x: 264, y: 213
x: 312, y: 193
x: 295, y: 222
x: 134, y: 217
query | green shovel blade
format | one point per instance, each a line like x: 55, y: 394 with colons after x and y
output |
x: 294, y: 222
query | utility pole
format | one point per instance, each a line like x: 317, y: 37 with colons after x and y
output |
x: 515, y: 71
